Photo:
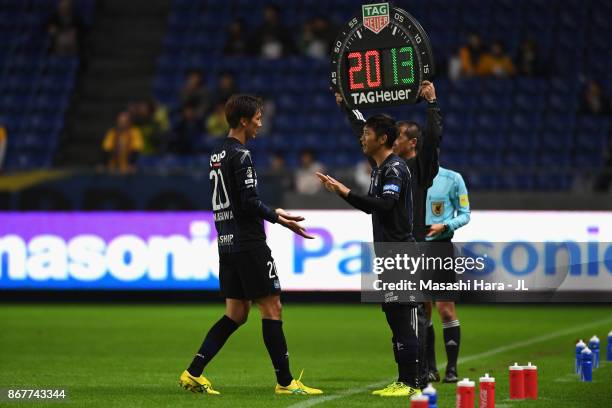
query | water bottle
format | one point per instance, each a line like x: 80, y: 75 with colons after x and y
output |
x: 431, y: 392
x: 516, y: 377
x: 609, y: 354
x: 586, y: 374
x: 594, y: 346
x: 531, y: 381
x: 419, y: 401
x: 465, y: 394
x: 487, y: 392
x: 579, y: 347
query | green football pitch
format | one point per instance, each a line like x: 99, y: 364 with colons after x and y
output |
x: 131, y: 356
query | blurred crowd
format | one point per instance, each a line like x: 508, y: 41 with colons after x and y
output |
x: 148, y: 128
x: 66, y: 29
x: 271, y: 39
x: 476, y: 59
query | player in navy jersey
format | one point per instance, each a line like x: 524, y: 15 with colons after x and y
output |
x: 412, y: 139
x: 247, y: 272
x: 389, y: 200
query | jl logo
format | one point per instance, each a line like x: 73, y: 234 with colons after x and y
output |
x: 375, y: 16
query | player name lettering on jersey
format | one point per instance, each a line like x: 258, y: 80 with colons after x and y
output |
x: 224, y: 216
x: 360, y: 98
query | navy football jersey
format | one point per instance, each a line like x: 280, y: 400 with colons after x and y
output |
x: 238, y: 210
x: 423, y: 167
x: 392, y: 180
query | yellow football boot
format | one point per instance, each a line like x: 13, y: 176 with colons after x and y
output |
x: 297, y: 388
x: 196, y: 384
x: 387, y: 388
x: 400, y: 390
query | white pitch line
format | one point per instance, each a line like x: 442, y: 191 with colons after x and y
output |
x: 497, y: 350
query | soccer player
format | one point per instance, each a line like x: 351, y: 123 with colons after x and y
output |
x: 448, y: 209
x: 419, y: 148
x: 247, y: 272
x: 389, y: 201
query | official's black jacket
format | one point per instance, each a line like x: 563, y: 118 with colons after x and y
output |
x: 423, y: 168
x: 237, y: 208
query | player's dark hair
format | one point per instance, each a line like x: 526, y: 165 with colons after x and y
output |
x: 383, y: 124
x: 241, y: 106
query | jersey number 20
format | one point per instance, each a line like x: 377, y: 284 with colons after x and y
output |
x: 219, y: 201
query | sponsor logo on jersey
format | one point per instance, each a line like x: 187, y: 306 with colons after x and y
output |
x: 217, y: 157
x: 437, y: 208
x: 226, y: 239
x: 391, y: 187
x: 375, y: 16
x: 463, y: 200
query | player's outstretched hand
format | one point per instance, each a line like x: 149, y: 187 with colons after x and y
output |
x: 333, y: 185
x: 288, y: 216
x: 427, y: 91
x: 295, y: 227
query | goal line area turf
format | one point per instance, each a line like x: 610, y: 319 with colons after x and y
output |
x: 131, y: 356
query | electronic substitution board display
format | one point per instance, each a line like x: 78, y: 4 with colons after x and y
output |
x: 381, y: 58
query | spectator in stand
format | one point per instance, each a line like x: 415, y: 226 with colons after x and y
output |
x: 529, y: 60
x: 236, y: 43
x: 593, y: 100
x: 469, y: 56
x: 216, y: 123
x: 194, y: 92
x: 496, y: 63
x: 3, y: 143
x: 66, y: 30
x: 278, y: 172
x: 152, y: 120
x: 122, y: 144
x: 226, y: 86
x: 317, y: 38
x: 272, y: 39
x: 306, y: 182
x: 187, y: 132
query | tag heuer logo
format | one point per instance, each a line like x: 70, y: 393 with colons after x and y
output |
x: 375, y: 16
x: 437, y: 208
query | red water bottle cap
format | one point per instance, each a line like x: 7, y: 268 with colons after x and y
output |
x: 486, y: 378
x: 516, y: 367
x: 465, y: 383
x: 530, y: 367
